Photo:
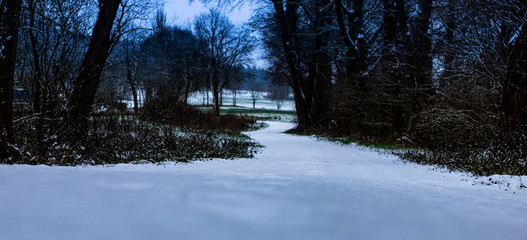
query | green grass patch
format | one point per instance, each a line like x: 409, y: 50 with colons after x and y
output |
x: 343, y: 140
x: 388, y: 147
x: 294, y: 131
x: 240, y: 136
x: 250, y: 111
x: 322, y: 135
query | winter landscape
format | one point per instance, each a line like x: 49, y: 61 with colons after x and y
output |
x: 297, y: 187
x: 276, y: 119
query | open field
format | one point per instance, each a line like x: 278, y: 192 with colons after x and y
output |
x: 243, y: 99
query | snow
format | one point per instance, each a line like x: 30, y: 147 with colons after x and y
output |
x: 243, y: 99
x: 296, y: 188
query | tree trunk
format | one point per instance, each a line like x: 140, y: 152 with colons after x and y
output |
x: 85, y: 86
x: 514, y: 99
x: 216, y: 101
x: 207, y: 94
x: 234, y: 98
x: 37, y: 82
x: 450, y: 49
x: 133, y: 89
x: 131, y: 69
x: 221, y: 97
x: 9, y: 24
x: 422, y: 55
x: 288, y: 24
x: 189, y: 77
x: 352, y: 33
x: 320, y: 72
x: 390, y: 62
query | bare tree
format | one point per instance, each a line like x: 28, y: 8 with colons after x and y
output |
x: 169, y: 59
x: 85, y: 86
x: 9, y: 24
x: 256, y: 89
x: 224, y: 46
x: 286, y: 13
x: 514, y: 97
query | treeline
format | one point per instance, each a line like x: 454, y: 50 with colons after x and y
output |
x: 169, y: 62
x: 444, y: 75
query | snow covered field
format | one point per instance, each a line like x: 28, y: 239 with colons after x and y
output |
x: 297, y: 188
x: 243, y: 99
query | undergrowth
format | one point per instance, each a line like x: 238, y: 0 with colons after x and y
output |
x: 189, y: 117
x: 505, y: 155
x: 376, y: 143
x: 122, y: 138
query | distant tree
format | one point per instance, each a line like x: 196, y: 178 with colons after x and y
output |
x: 239, y: 76
x: 129, y: 58
x: 224, y: 46
x: 278, y: 93
x: 256, y: 89
x: 169, y: 60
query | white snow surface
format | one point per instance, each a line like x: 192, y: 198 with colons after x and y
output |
x: 243, y: 99
x: 296, y: 188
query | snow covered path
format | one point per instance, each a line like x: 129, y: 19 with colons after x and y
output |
x: 297, y: 188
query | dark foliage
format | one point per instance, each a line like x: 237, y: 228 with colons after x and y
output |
x: 461, y: 133
x: 190, y: 117
x: 498, y: 158
x: 113, y: 139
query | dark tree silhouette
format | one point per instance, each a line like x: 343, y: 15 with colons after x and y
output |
x: 9, y: 24
x: 85, y: 86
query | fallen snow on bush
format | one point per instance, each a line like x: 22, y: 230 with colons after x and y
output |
x: 296, y: 188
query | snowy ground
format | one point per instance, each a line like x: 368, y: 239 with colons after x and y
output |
x: 243, y: 99
x: 297, y: 188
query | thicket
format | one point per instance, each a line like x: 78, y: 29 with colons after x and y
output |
x: 127, y: 138
x: 76, y: 84
x: 446, y: 77
x: 191, y: 117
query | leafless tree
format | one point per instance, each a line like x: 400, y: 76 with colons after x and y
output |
x: 224, y: 46
x: 9, y: 24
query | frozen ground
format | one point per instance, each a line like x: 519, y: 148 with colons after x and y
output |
x: 297, y: 188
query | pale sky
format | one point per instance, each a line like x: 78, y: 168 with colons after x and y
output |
x: 182, y: 12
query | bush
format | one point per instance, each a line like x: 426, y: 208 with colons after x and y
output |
x: 186, y: 116
x: 450, y: 130
x: 460, y: 132
x: 113, y: 139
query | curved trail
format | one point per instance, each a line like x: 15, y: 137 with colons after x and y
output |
x: 296, y: 188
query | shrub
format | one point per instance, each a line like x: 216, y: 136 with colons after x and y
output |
x: 113, y: 139
x: 186, y: 116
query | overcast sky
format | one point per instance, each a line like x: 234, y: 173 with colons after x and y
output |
x: 183, y: 12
